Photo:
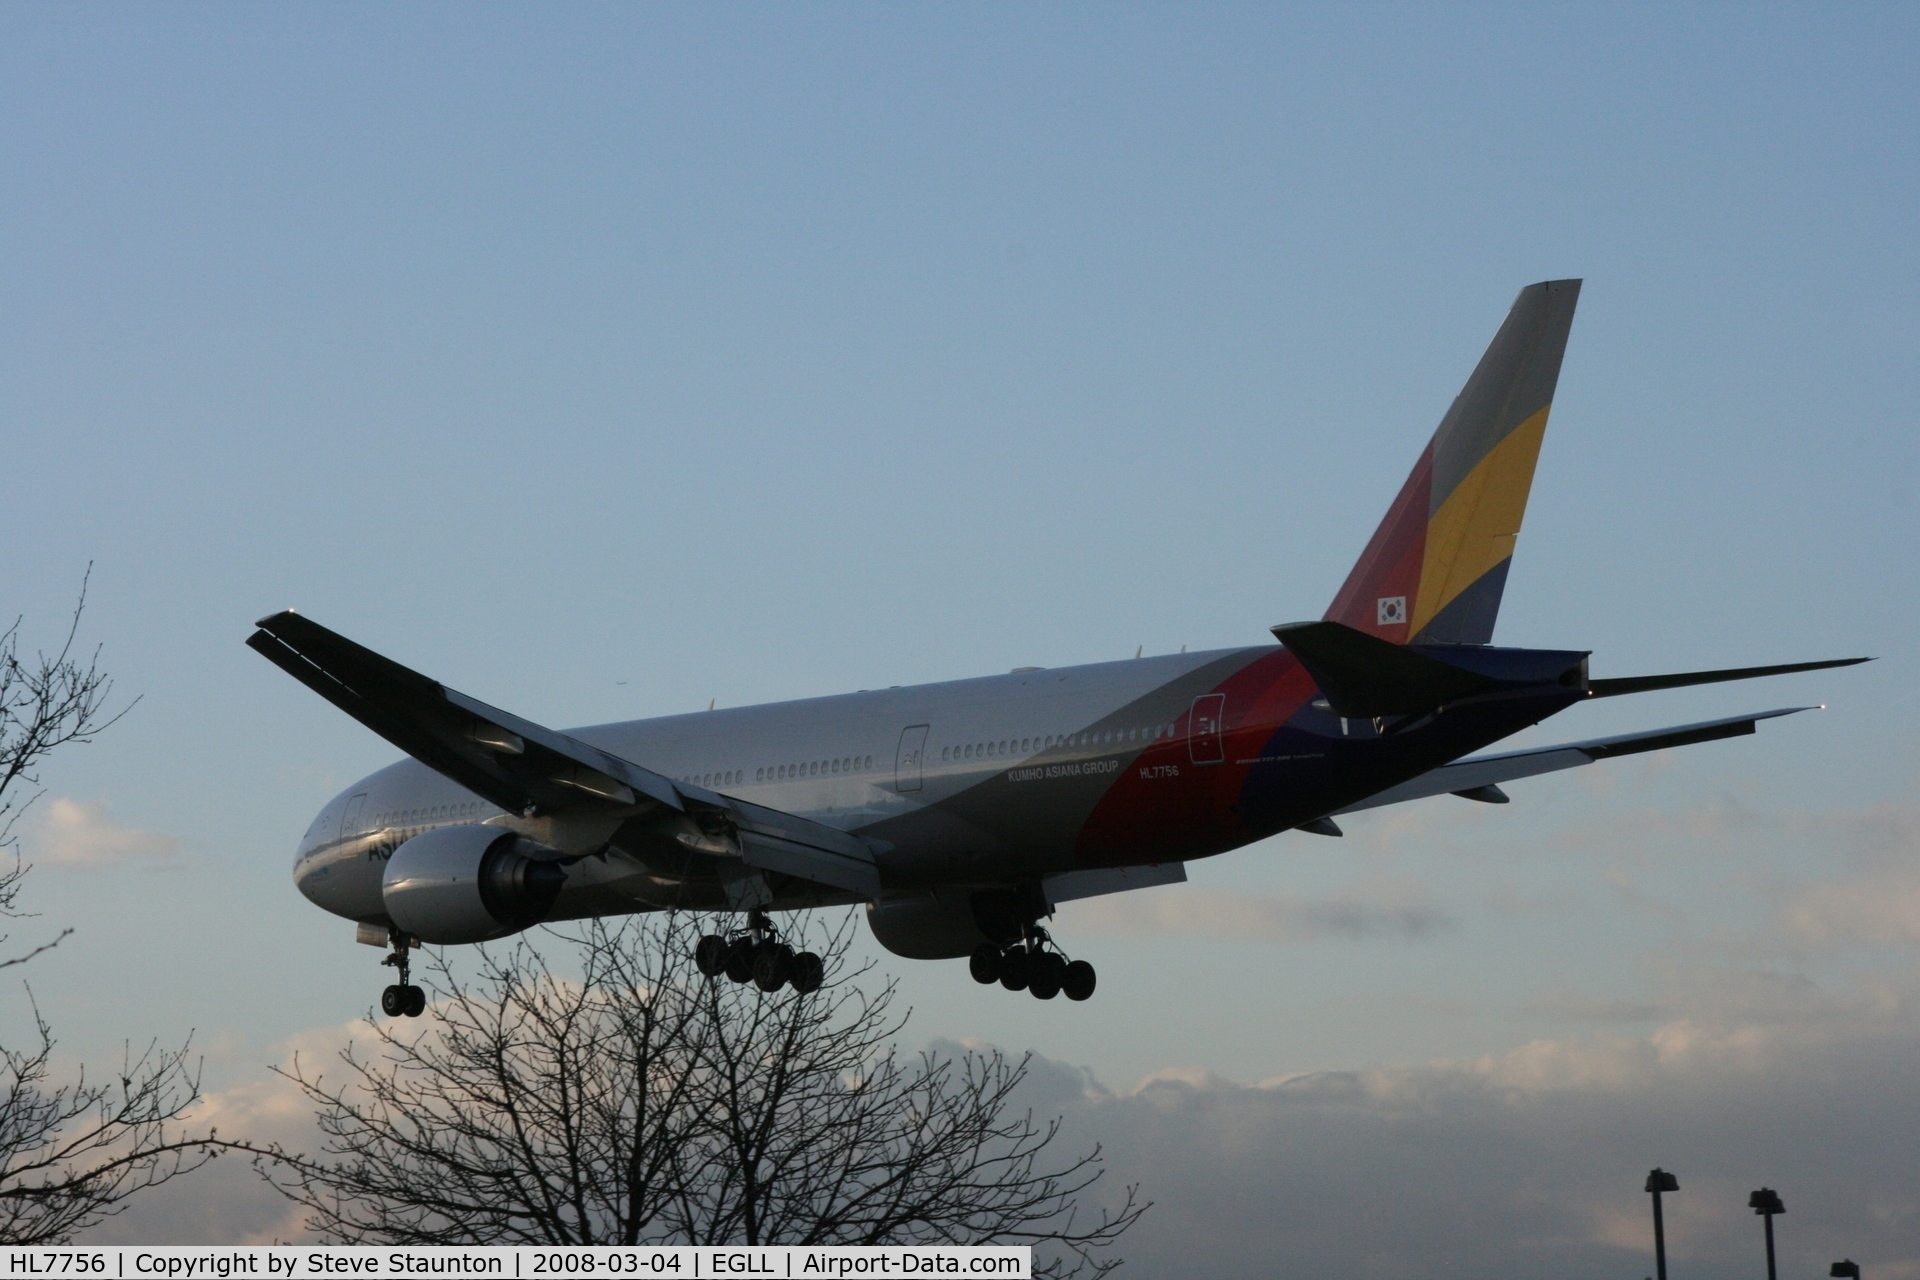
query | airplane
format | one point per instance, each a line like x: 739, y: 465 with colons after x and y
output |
x: 961, y: 814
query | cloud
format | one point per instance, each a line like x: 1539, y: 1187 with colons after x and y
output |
x: 73, y: 833
x: 1876, y: 899
x: 227, y: 1202
x: 1527, y: 1161
x: 1396, y: 910
x: 1531, y: 1161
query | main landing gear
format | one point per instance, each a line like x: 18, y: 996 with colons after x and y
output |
x: 1033, y: 964
x: 402, y: 999
x: 758, y: 956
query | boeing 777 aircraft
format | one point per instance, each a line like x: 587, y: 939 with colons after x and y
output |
x: 962, y: 813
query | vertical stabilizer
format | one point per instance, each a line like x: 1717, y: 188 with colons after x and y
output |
x: 1436, y: 566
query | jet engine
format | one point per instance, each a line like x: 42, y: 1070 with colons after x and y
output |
x: 948, y: 923
x: 470, y: 884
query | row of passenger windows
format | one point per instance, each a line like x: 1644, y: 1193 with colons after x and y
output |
x: 1026, y: 746
x: 827, y: 768
x: 783, y: 772
x: 430, y: 814
x: 815, y: 769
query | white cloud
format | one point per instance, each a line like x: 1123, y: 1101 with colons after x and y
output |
x: 1531, y: 1161
x: 1528, y: 1161
x: 1876, y: 899
x: 227, y: 1202
x: 1398, y: 909
x: 74, y: 833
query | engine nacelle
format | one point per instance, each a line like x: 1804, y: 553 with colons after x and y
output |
x: 947, y: 923
x: 470, y: 884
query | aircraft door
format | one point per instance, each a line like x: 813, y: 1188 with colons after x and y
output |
x: 908, y: 764
x: 1206, y: 742
x: 350, y: 820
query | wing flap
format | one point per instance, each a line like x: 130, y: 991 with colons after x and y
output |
x: 771, y: 840
x: 1477, y: 772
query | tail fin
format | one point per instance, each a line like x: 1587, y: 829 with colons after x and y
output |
x: 1436, y: 566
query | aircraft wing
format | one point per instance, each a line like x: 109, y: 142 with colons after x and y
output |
x: 1483, y: 773
x: 526, y: 768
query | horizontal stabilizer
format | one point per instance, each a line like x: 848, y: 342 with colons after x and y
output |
x: 1645, y: 684
x: 1475, y: 774
x: 1363, y: 675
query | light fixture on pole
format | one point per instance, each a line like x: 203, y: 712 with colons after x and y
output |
x: 1845, y: 1269
x: 1658, y: 1181
x: 1766, y: 1203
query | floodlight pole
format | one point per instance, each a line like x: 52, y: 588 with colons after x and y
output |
x: 1766, y: 1203
x: 1660, y: 1180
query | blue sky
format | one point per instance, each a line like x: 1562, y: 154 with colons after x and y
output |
x: 605, y: 361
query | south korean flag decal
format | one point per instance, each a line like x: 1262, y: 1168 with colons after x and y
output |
x: 1392, y: 610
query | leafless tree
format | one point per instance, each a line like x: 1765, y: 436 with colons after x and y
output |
x: 642, y: 1103
x: 71, y: 1154
x: 45, y: 703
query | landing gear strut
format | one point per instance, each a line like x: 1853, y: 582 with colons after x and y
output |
x: 402, y: 999
x: 1033, y: 964
x: 758, y: 956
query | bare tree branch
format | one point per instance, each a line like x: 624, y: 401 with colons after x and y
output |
x: 71, y: 1154
x: 643, y: 1103
x: 45, y: 704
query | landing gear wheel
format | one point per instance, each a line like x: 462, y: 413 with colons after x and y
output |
x: 806, y: 973
x: 984, y: 964
x: 402, y: 999
x: 739, y: 962
x: 1045, y: 973
x: 710, y: 957
x: 1014, y: 970
x: 770, y: 966
x: 1078, y: 980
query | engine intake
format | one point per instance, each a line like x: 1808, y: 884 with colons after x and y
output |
x: 470, y: 884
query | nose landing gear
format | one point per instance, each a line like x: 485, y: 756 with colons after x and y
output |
x: 758, y: 956
x: 402, y: 999
x: 1034, y: 964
